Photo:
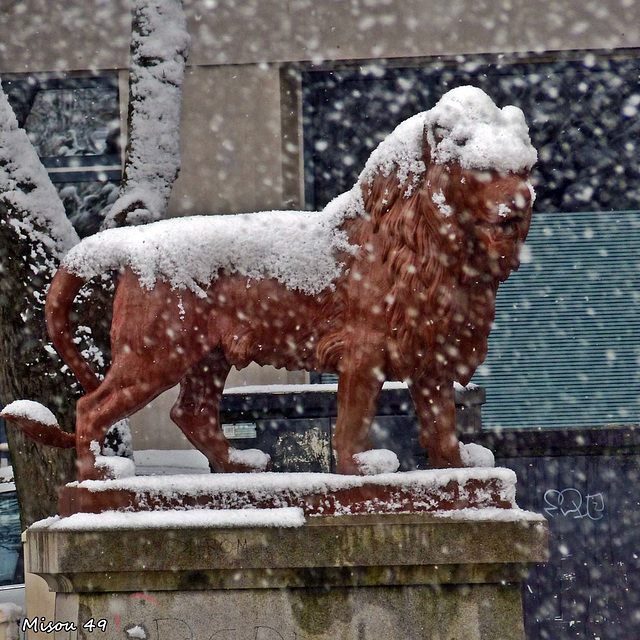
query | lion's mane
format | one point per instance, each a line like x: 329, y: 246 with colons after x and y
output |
x: 439, y: 297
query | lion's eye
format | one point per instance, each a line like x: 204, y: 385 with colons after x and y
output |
x: 511, y: 225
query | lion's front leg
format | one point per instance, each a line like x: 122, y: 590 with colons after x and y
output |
x: 359, y: 385
x: 436, y: 411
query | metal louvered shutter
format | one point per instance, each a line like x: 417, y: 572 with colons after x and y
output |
x: 565, y: 348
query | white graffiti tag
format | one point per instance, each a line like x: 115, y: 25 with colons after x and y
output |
x: 572, y: 504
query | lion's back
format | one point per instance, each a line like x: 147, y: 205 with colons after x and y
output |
x: 299, y: 249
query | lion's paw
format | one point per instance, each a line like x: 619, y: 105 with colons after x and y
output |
x: 114, y: 467
x: 376, y: 461
x: 111, y: 467
x: 475, y: 455
x: 249, y: 460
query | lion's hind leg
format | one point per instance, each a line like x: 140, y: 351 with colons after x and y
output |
x: 130, y: 384
x: 196, y: 412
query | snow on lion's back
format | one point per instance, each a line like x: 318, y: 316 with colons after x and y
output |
x: 300, y: 249
x: 295, y: 247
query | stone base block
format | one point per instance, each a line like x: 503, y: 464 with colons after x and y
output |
x: 359, y: 577
x: 446, y: 612
x: 315, y: 493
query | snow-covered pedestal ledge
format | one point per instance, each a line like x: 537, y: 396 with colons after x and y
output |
x: 446, y: 568
x: 315, y: 494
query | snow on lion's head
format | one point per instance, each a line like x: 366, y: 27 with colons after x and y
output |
x: 464, y: 165
x: 466, y: 162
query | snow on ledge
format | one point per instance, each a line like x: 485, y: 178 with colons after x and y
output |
x: 377, y: 461
x: 327, y: 387
x: 475, y: 455
x: 251, y: 458
x: 286, y: 517
x: 491, y: 513
x: 116, y: 466
x: 266, y: 484
x: 170, y: 462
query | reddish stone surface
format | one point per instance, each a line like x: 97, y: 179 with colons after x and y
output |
x: 51, y: 435
x: 369, y: 498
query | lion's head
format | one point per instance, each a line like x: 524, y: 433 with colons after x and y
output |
x: 449, y: 199
x: 491, y: 214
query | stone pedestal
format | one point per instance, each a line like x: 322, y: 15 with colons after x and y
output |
x: 359, y: 577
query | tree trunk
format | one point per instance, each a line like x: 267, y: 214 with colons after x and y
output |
x: 159, y: 51
x: 28, y: 371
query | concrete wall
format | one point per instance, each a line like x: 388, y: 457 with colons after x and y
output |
x: 230, y: 141
x: 40, y: 35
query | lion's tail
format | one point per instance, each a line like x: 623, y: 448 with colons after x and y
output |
x: 38, y: 423
x: 62, y: 292
x: 33, y: 418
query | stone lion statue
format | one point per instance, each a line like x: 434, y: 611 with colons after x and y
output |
x: 395, y: 279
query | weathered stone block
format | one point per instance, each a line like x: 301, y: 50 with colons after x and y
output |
x: 384, y: 577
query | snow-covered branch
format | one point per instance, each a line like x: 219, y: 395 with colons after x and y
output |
x: 31, y: 214
x: 159, y: 48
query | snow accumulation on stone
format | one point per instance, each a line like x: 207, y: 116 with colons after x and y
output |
x: 31, y: 411
x: 491, y: 513
x: 243, y: 491
x: 327, y: 387
x: 116, y: 466
x: 297, y: 248
x: 154, y: 462
x: 263, y: 485
x: 253, y: 458
x: 475, y: 455
x: 137, y: 632
x: 285, y: 517
x: 25, y: 185
x: 377, y: 461
x: 466, y: 127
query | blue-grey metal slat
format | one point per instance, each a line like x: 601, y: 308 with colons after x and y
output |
x: 565, y: 350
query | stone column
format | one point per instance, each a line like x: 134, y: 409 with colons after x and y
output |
x: 365, y: 577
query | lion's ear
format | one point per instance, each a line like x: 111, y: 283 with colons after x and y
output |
x: 435, y: 136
